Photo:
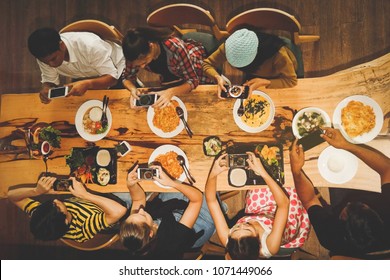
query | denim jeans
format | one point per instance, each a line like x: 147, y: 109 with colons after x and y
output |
x: 204, y: 221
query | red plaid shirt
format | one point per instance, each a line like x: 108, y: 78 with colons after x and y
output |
x: 185, y: 60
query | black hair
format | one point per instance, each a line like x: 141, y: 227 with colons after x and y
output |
x: 43, y: 42
x: 245, y: 248
x: 136, y: 41
x: 269, y: 45
x: 364, y: 229
x: 136, y: 238
x: 47, y: 222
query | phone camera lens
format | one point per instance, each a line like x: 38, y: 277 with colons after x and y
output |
x: 148, y: 175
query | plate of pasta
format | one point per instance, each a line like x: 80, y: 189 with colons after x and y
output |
x: 166, y: 156
x: 165, y: 122
x: 359, y: 118
x: 88, y: 121
x: 259, y: 111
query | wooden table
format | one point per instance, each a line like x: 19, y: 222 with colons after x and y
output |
x: 207, y: 115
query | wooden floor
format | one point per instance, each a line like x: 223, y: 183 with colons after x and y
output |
x: 352, y: 32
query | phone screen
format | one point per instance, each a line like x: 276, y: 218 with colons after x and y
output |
x: 146, y: 100
x: 58, y: 92
x: 311, y: 140
x: 123, y: 148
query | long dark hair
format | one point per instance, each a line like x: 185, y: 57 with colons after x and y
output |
x: 269, y: 45
x: 136, y: 41
x: 245, y: 248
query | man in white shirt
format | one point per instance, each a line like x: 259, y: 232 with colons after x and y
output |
x: 78, y: 55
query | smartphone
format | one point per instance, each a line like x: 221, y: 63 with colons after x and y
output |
x: 62, y: 184
x: 147, y: 173
x: 311, y: 140
x: 145, y: 100
x: 123, y: 148
x: 58, y: 92
x: 237, y: 160
x: 241, y: 92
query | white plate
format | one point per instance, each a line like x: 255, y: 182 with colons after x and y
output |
x: 158, y: 131
x: 79, y: 120
x: 324, y: 115
x: 337, y: 166
x: 366, y: 137
x: 241, y: 124
x: 165, y: 149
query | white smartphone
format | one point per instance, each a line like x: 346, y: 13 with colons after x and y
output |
x: 58, y: 92
x: 145, y: 100
x: 123, y: 148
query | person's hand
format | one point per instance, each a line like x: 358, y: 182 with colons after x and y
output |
x: 132, y: 177
x: 44, y: 185
x: 255, y: 164
x: 77, y: 188
x: 335, y: 138
x: 79, y: 88
x: 163, y: 178
x: 44, y: 95
x: 221, y: 85
x: 256, y: 83
x: 297, y: 157
x: 220, y: 165
x: 164, y: 98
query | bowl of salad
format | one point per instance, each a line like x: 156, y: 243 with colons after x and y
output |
x: 308, y: 120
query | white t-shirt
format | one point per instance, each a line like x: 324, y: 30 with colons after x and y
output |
x: 89, y: 57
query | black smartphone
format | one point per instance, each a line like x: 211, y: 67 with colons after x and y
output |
x: 241, y: 92
x: 62, y: 184
x: 145, y: 100
x: 147, y: 173
x: 311, y: 140
x: 58, y: 92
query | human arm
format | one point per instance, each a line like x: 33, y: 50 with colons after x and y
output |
x: 280, y: 69
x: 282, y: 201
x: 303, y: 185
x: 373, y: 158
x: 165, y: 96
x: 80, y: 87
x: 137, y: 194
x: 211, y: 64
x: 256, y: 83
x: 113, y: 210
x: 194, y: 196
x: 44, y: 92
x: 216, y: 213
x: 21, y: 196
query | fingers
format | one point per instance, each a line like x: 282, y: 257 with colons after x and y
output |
x: 44, y: 98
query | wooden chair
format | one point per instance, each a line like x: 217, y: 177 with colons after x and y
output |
x: 267, y: 19
x: 99, y: 241
x: 179, y: 14
x: 103, y: 30
x: 271, y: 19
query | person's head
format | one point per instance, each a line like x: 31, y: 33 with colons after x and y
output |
x: 241, y: 47
x: 140, y: 43
x: 50, y: 220
x: 45, y: 44
x: 248, y: 48
x: 243, y: 242
x: 137, y: 232
x: 363, y: 226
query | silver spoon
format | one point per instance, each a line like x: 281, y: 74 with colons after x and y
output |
x: 186, y: 171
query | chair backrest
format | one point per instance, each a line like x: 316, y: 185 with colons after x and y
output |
x: 177, y: 14
x: 270, y: 19
x: 103, y: 30
x: 99, y: 241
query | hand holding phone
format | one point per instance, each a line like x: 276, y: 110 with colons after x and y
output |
x: 147, y: 173
x: 62, y: 184
x: 146, y: 100
x: 241, y: 92
x: 58, y: 92
x: 311, y: 140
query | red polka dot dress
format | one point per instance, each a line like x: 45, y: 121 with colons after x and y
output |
x: 260, y: 205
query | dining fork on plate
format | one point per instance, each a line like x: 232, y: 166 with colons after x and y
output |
x: 104, y: 119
